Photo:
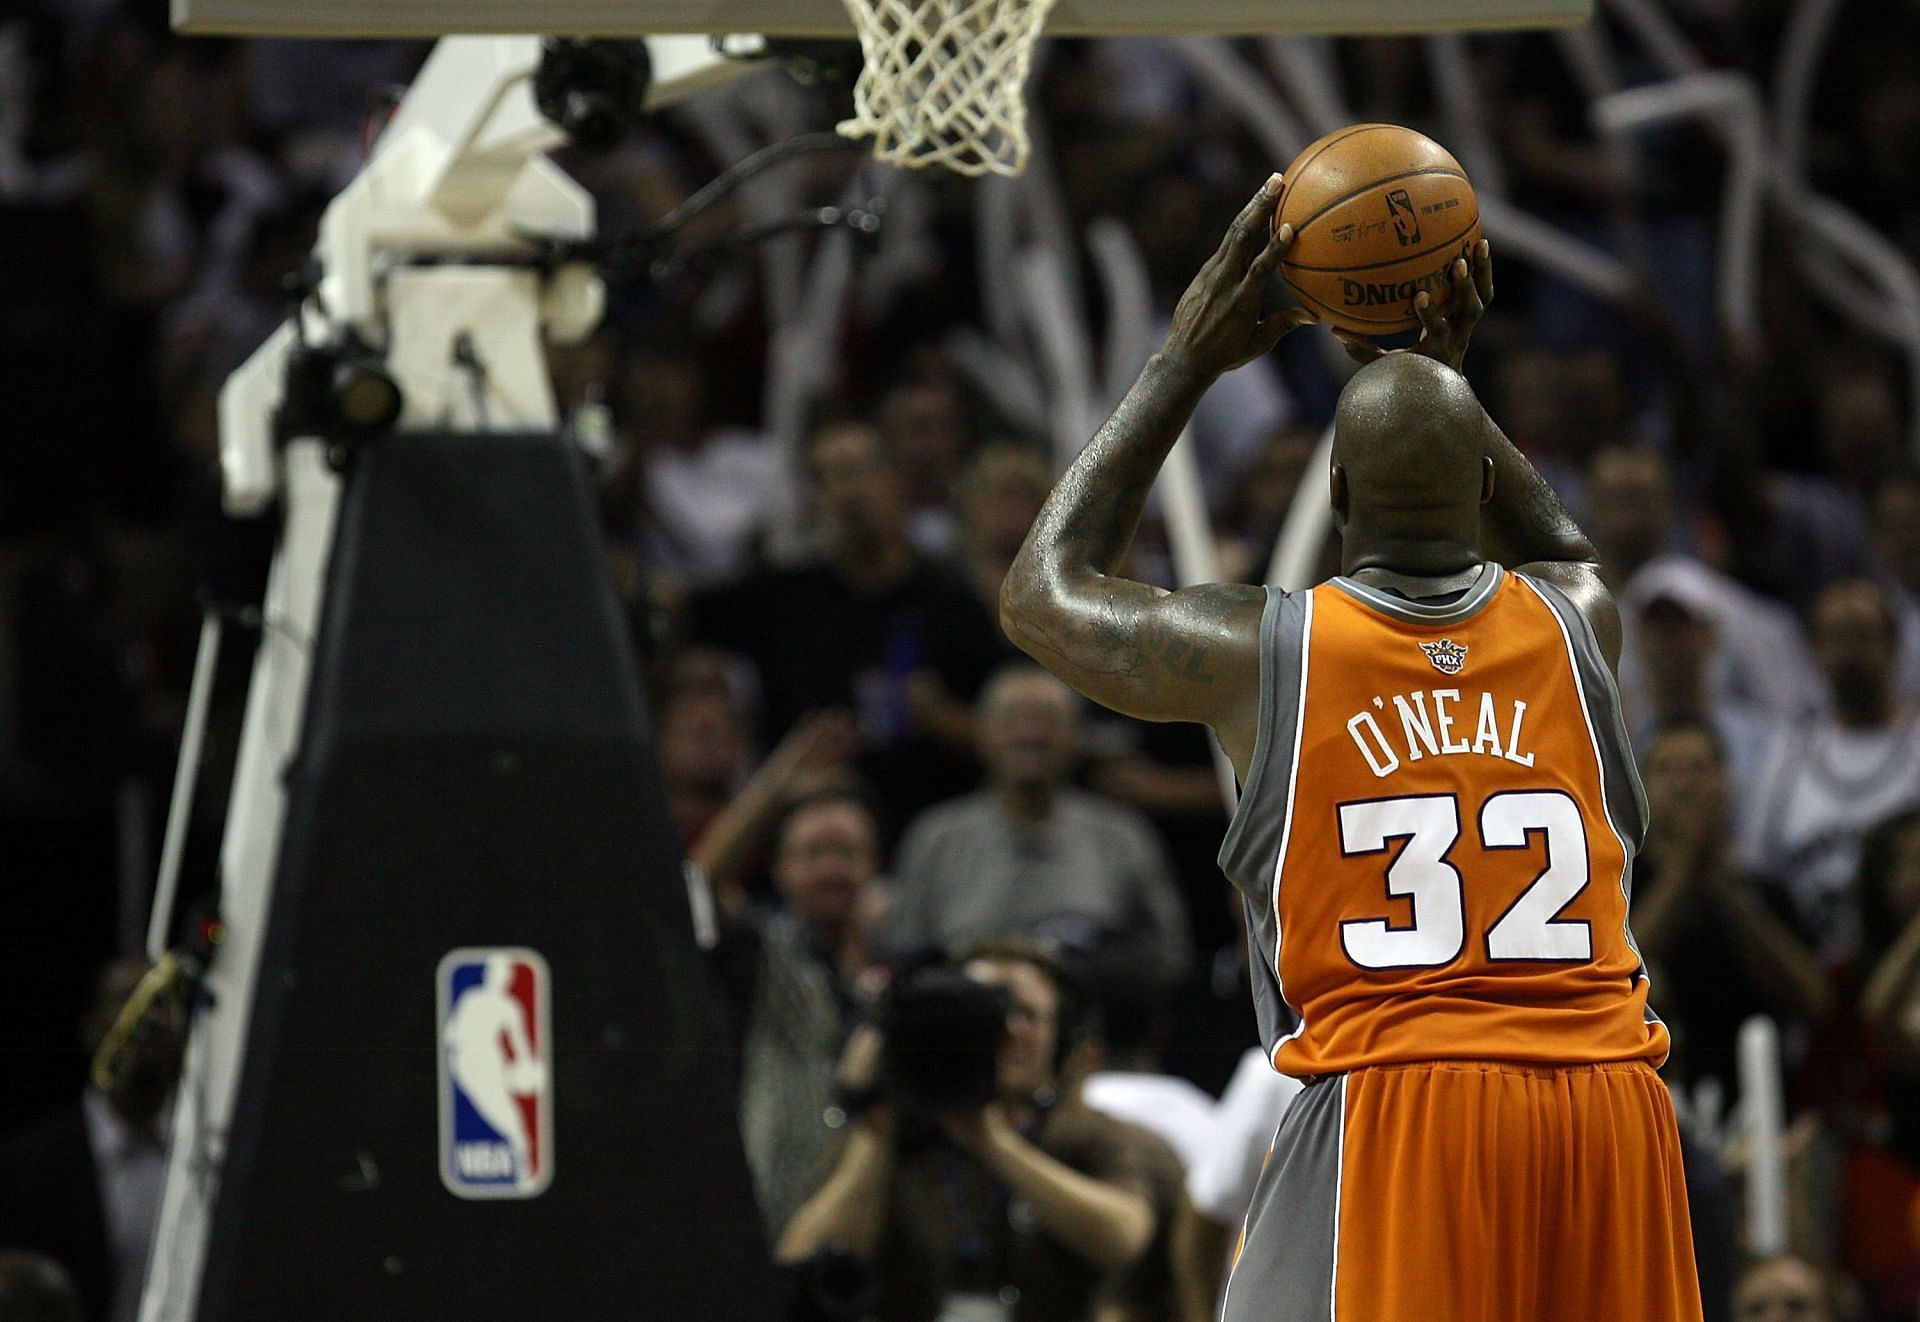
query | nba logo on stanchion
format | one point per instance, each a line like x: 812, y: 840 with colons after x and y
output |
x: 496, y: 1085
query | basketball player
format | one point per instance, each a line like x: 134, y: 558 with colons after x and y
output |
x: 1433, y: 841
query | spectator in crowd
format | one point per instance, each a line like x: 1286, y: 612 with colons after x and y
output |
x: 1826, y: 779
x: 695, y: 497
x: 84, y: 1185
x: 1896, y: 566
x: 1784, y: 1289
x: 1031, y: 1207
x: 1881, y: 1118
x: 1630, y: 508
x: 795, y: 978
x: 1674, y: 651
x: 1860, y: 429
x: 1719, y: 951
x: 35, y: 1288
x: 808, y: 988
x: 1127, y: 1078
x: 1031, y: 856
x: 1756, y: 657
x: 1797, y: 533
x: 1890, y: 902
x: 702, y: 740
x: 999, y: 494
x: 874, y: 628
x: 925, y: 429
x: 239, y: 301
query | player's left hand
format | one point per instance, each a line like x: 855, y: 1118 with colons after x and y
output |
x: 1220, y: 323
x: 1446, y: 324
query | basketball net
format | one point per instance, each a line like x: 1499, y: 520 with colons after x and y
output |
x: 944, y: 81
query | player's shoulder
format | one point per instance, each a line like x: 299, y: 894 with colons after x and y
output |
x: 1575, y: 592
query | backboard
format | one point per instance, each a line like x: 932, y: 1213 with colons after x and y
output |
x: 827, y: 18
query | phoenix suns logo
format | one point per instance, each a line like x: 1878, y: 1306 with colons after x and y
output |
x: 1447, y: 656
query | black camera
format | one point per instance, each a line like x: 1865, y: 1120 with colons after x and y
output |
x: 943, y: 1034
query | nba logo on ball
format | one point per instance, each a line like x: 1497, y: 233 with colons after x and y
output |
x: 496, y: 1085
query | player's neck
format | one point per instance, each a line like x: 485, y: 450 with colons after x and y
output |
x: 1365, y: 550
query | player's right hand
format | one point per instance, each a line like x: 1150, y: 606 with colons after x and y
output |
x: 1445, y: 324
x: 1219, y: 324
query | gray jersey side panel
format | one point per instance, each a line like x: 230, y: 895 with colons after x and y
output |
x: 1626, y: 798
x: 1252, y: 842
x: 1287, y: 1267
x: 1250, y: 853
x: 1275, y: 1018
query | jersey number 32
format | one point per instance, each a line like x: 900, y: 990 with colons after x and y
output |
x: 1530, y: 929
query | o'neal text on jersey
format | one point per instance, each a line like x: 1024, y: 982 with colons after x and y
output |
x: 1439, y: 729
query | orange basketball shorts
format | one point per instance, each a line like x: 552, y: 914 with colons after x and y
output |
x: 1471, y: 1191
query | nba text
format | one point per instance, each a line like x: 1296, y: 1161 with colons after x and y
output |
x: 1437, y: 728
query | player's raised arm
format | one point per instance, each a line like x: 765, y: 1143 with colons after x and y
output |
x: 1189, y: 655
x: 1524, y: 526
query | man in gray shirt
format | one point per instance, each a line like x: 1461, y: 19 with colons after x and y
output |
x: 1031, y: 856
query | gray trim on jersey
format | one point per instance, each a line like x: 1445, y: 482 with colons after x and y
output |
x: 1409, y: 611
x: 1250, y: 852
x: 1626, y: 797
x: 1234, y: 847
x: 1621, y: 790
x: 1289, y: 1263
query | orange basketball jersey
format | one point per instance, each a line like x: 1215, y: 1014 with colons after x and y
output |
x: 1436, y: 838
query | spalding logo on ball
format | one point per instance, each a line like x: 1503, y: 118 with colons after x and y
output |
x: 1379, y: 213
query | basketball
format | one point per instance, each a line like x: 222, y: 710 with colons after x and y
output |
x: 1378, y: 213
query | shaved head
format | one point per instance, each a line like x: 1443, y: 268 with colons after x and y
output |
x: 1408, y: 434
x: 1409, y: 454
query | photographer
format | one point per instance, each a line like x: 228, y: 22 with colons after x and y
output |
x: 973, y: 1184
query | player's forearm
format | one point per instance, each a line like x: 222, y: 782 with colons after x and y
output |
x: 847, y: 1212
x: 1088, y: 521
x: 1107, y: 1226
x: 1062, y: 602
x: 1525, y: 521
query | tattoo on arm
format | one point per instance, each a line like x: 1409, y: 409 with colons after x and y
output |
x: 1179, y: 656
x: 1130, y: 645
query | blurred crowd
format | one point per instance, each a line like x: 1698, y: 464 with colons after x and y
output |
x: 902, y: 827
